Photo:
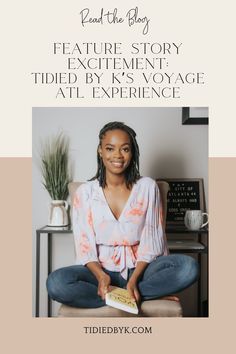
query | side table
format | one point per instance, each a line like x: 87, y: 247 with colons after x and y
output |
x: 49, y: 231
x: 195, y: 247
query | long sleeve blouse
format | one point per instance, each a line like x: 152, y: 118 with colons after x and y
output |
x: 118, y: 244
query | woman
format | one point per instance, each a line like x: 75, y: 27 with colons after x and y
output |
x: 118, y: 232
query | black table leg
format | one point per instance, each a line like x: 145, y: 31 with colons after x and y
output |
x: 199, y: 285
x: 205, y: 303
x: 49, y: 270
x: 37, y: 272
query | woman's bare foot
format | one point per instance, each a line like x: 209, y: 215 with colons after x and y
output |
x: 170, y: 297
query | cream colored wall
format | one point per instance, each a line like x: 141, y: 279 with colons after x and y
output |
x: 167, y: 149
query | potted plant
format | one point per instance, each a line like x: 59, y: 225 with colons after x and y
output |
x: 56, y: 175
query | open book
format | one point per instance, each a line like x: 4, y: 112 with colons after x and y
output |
x: 120, y: 299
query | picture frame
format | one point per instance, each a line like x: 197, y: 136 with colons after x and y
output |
x: 184, y: 194
x: 195, y: 115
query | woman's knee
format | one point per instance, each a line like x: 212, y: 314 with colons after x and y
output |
x: 188, y: 269
x: 56, y: 284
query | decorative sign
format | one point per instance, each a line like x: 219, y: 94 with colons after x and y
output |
x: 184, y: 194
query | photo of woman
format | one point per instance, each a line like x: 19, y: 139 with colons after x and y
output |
x: 119, y: 234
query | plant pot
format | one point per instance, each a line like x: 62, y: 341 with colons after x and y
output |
x: 58, y: 213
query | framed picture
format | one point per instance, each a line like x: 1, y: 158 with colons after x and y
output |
x: 184, y: 194
x: 194, y: 115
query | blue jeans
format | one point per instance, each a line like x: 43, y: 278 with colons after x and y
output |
x: 76, y: 285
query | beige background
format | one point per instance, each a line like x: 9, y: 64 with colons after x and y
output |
x: 27, y: 29
x: 28, y: 334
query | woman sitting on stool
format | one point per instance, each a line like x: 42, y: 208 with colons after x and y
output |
x: 118, y: 232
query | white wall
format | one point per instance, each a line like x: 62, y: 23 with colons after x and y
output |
x: 167, y: 149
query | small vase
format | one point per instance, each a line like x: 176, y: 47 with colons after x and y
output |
x: 58, y: 213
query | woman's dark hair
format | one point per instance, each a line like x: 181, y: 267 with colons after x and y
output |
x: 132, y: 172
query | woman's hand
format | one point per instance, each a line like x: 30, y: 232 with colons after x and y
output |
x: 103, y: 278
x: 103, y: 285
x: 133, y: 281
x: 133, y: 290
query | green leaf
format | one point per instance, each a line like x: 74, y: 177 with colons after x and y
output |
x: 55, y: 166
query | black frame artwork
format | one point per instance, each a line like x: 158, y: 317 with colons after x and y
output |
x: 187, y: 119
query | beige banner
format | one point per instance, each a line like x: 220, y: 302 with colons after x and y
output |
x: 29, y: 29
x: 23, y: 333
